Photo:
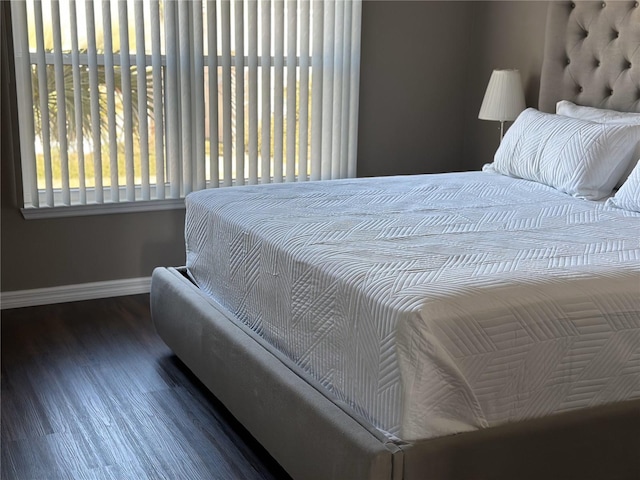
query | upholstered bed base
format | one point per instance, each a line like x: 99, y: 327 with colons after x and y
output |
x: 312, y: 437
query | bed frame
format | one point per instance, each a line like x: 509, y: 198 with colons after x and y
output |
x: 313, y: 436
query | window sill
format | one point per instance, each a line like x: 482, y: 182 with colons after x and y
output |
x: 31, y: 213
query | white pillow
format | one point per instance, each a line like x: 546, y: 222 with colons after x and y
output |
x: 601, y: 115
x: 628, y: 197
x: 584, y: 159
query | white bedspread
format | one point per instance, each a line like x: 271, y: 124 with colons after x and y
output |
x: 433, y: 304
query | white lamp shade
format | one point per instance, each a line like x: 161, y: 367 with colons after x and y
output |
x: 504, y: 98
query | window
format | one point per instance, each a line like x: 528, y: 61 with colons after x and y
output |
x: 138, y: 103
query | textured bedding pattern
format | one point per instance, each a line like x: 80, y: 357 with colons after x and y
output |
x: 432, y: 304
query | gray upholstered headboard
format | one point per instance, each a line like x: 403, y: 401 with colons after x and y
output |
x: 592, y: 55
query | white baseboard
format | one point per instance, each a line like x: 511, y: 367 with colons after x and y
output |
x: 74, y: 293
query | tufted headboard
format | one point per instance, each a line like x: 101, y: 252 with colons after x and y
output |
x: 592, y: 55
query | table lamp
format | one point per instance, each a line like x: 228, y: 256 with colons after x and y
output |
x: 504, y: 99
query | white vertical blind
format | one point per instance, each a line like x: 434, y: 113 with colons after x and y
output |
x: 303, y: 137
x: 317, y: 63
x: 346, y: 72
x: 62, y: 111
x: 186, y: 70
x: 141, y: 84
x: 198, y: 95
x: 354, y: 83
x: 158, y: 95
x: 278, y: 88
x: 44, y: 119
x: 227, y: 105
x: 171, y: 95
x: 212, y: 72
x: 110, y: 85
x: 77, y: 99
x: 153, y: 99
x: 292, y: 33
x: 94, y: 99
x: 337, y: 88
x: 238, y: 75
x: 265, y: 14
x: 252, y: 24
x: 25, y: 101
x: 127, y: 106
x: 328, y: 47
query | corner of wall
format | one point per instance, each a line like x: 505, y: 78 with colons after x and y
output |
x: 503, y: 35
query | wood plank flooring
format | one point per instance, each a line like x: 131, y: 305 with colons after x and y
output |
x: 89, y: 391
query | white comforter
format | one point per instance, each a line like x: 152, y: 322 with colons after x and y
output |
x: 432, y: 304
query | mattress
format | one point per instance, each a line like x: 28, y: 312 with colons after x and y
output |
x: 431, y: 304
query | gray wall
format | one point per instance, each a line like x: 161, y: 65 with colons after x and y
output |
x: 413, y: 82
x: 424, y: 69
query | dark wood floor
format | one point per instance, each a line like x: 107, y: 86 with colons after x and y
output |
x: 90, y: 391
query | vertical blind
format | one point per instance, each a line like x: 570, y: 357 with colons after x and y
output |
x: 150, y: 100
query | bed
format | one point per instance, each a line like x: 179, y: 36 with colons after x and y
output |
x: 468, y: 325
